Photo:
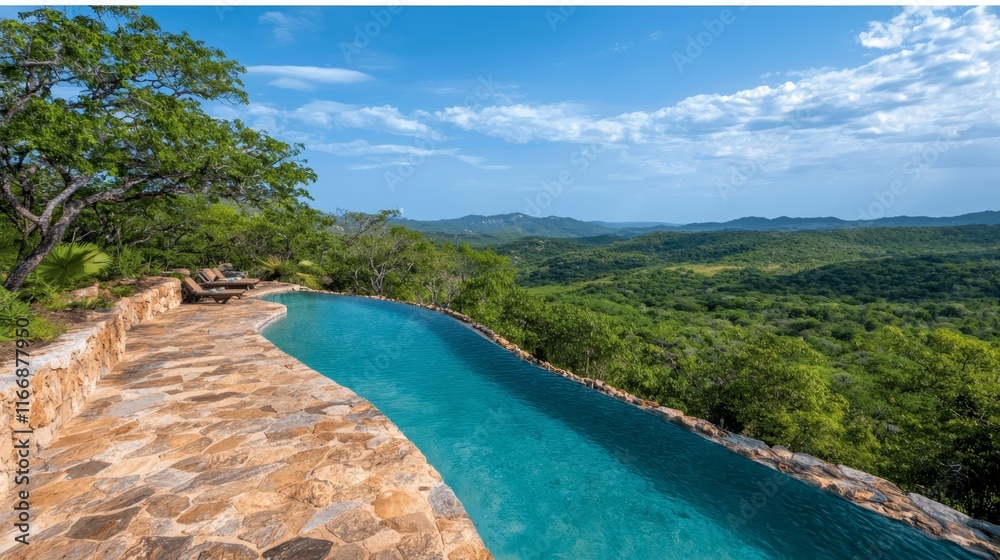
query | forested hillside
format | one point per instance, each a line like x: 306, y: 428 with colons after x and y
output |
x: 877, y: 348
x: 547, y: 261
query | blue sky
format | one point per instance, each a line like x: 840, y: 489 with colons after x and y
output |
x: 668, y: 114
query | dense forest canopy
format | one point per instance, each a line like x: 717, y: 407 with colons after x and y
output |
x: 877, y: 348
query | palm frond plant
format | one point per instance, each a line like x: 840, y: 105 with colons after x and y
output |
x: 70, y: 263
x: 309, y: 274
x: 304, y: 272
x: 274, y: 268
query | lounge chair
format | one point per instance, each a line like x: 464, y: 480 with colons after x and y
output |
x: 228, y: 271
x: 221, y: 275
x: 197, y: 293
x: 207, y: 278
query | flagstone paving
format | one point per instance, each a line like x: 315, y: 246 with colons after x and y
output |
x: 207, y: 442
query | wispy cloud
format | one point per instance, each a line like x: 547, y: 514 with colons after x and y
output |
x: 395, y: 153
x: 618, y: 47
x: 305, y: 78
x: 327, y: 115
x: 384, y: 118
x: 285, y: 25
x: 526, y: 123
x: 655, y: 35
x: 482, y: 91
x: 445, y: 90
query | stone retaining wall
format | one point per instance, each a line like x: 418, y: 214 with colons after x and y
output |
x: 66, y: 370
x: 868, y: 491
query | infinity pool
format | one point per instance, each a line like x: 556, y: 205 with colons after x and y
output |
x: 547, y: 468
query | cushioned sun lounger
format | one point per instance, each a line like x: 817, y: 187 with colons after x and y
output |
x: 228, y: 271
x: 195, y: 292
x: 208, y: 279
x: 221, y: 275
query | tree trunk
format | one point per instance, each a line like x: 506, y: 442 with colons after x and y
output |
x: 51, y: 238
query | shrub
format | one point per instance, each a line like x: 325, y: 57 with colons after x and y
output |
x: 122, y: 291
x: 128, y: 262
x: 13, y: 308
x: 99, y: 302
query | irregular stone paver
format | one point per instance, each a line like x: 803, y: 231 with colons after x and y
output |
x: 208, y: 442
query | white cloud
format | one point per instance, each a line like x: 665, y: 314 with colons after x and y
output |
x: 305, y: 78
x: 321, y: 116
x: 525, y: 123
x: 331, y: 114
x: 285, y: 25
x: 363, y: 148
x: 292, y: 83
x: 396, y: 154
x: 478, y: 162
x: 936, y: 75
x: 655, y: 35
x: 912, y: 25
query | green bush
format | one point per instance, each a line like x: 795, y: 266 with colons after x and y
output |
x: 99, y: 302
x: 121, y: 291
x: 128, y: 262
x: 41, y: 292
x: 13, y: 308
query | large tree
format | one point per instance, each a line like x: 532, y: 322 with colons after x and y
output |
x: 102, y: 106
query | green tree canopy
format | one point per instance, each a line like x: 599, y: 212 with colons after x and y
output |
x: 105, y: 107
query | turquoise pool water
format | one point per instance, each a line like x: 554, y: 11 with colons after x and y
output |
x: 549, y: 469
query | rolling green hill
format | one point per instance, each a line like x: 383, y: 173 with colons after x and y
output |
x: 550, y: 261
x: 503, y: 228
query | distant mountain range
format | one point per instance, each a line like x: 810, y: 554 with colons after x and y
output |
x: 509, y: 226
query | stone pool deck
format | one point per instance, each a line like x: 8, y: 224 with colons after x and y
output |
x: 207, y: 442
